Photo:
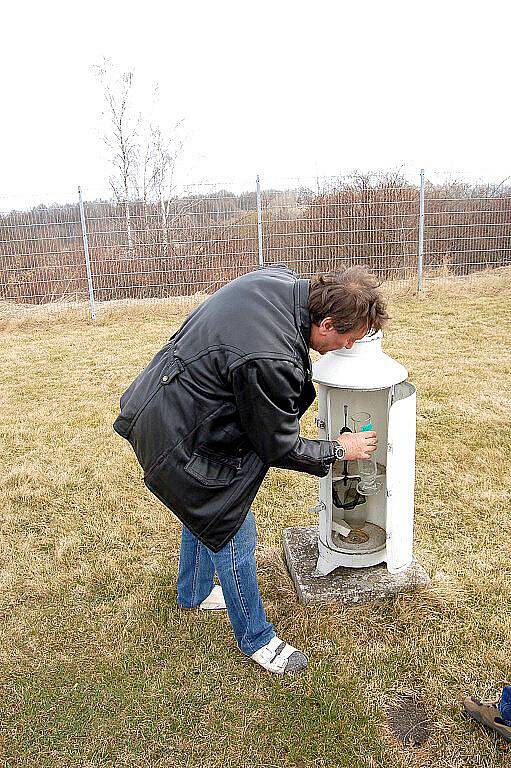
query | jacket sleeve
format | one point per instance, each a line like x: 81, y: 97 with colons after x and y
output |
x: 267, y: 393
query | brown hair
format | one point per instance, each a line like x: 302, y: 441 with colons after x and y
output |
x: 350, y: 298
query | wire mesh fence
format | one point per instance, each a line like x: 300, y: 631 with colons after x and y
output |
x: 177, y: 247
x: 41, y: 255
x: 467, y: 229
x: 203, y: 237
x: 356, y: 220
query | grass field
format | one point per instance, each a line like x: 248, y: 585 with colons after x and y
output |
x: 99, y: 668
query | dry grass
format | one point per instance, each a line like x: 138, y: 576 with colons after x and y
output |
x: 98, y: 666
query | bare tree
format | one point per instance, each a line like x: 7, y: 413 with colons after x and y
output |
x: 143, y: 153
x: 165, y: 151
x: 121, y: 135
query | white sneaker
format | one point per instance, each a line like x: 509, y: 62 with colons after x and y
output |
x: 214, y: 601
x: 279, y: 657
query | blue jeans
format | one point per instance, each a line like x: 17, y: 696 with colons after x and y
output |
x: 236, y: 570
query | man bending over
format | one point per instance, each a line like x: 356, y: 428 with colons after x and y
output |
x: 220, y: 404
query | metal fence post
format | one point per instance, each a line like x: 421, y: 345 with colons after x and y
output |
x: 421, y: 234
x: 87, y: 258
x: 259, y: 223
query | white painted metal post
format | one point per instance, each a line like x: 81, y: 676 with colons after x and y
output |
x: 259, y: 223
x: 421, y: 233
x: 87, y: 258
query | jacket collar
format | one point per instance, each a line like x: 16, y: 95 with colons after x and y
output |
x: 302, y: 310
x: 303, y: 320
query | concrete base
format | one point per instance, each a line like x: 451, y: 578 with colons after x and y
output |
x: 344, y: 585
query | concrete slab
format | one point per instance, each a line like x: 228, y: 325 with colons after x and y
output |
x: 344, y: 585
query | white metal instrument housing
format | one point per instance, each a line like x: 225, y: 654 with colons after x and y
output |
x: 364, y: 378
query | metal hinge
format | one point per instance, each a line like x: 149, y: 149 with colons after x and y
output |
x: 318, y: 509
x: 389, y: 493
x: 320, y: 423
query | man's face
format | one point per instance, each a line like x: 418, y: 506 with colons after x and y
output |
x: 324, y: 337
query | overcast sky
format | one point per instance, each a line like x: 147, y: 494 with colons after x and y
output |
x: 280, y: 88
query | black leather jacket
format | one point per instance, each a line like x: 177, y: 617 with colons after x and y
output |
x: 221, y: 402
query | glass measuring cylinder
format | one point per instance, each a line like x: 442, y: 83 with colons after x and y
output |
x: 368, y: 485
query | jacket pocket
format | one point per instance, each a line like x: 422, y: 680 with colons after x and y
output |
x: 163, y: 369
x: 213, y: 470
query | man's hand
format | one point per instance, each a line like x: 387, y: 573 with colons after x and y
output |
x: 358, y: 445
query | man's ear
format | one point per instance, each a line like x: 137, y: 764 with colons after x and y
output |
x: 327, y: 323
